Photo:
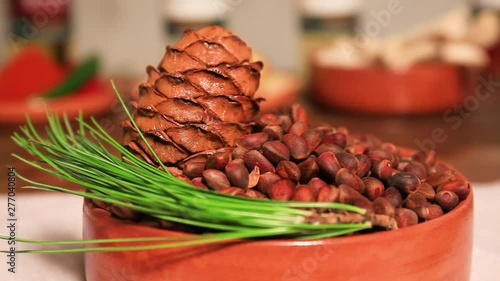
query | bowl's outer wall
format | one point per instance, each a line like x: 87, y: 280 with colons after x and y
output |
x: 423, y: 88
x: 438, y: 250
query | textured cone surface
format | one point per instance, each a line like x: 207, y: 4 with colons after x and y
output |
x: 199, y: 98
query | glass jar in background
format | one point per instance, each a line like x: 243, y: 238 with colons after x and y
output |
x: 42, y: 22
x: 191, y: 14
x: 322, y: 22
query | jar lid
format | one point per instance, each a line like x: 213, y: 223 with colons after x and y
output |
x: 194, y: 10
x: 338, y: 8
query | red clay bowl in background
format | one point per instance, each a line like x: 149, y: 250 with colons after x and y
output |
x: 437, y: 250
x: 421, y: 89
x: 94, y: 98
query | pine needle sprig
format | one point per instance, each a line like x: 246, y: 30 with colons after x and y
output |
x: 81, y: 157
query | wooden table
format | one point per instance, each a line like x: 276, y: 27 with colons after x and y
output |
x: 473, y: 147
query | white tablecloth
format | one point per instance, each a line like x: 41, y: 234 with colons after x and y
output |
x: 59, y: 216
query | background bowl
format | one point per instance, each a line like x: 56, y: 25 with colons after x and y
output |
x: 436, y: 250
x: 423, y: 88
x: 96, y: 97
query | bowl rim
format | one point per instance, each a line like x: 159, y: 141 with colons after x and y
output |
x: 89, y: 210
x: 465, y: 205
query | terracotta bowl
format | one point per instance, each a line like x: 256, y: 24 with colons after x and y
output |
x: 423, y: 88
x: 436, y: 250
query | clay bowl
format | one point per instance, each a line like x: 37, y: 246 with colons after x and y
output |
x: 421, y: 89
x: 436, y: 250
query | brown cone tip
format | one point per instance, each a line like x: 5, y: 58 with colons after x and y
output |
x: 198, y: 99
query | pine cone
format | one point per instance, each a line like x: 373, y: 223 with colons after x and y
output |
x: 199, y: 99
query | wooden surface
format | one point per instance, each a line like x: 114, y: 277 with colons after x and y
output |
x: 473, y: 146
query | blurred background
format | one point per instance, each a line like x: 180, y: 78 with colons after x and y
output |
x: 422, y: 74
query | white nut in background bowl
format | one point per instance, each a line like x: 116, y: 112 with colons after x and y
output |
x: 400, y: 54
x: 464, y: 53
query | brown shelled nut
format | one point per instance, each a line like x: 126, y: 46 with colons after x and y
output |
x: 347, y: 194
x: 275, y: 132
x: 365, y: 165
x: 382, y: 169
x: 315, y: 184
x: 394, y: 196
x: 298, y: 128
x: 328, y: 193
x: 405, y: 217
x: 299, y: 113
x: 239, y: 152
x: 252, y: 141
x: 356, y: 149
x: 266, y: 180
x: 338, y: 139
x: 252, y: 193
x: 237, y: 174
x: 431, y: 211
x: 286, y: 122
x: 364, y: 203
x: 218, y: 160
x: 426, y: 190
x: 459, y: 187
x: 416, y: 168
x: 328, y: 165
x: 376, y: 155
x: 288, y: 170
x: 198, y: 182
x: 215, y: 179
x: 448, y: 200
x: 328, y: 147
x: 405, y: 182
x: 231, y: 190
x: 345, y: 176
x: 282, y: 190
x: 348, y: 161
x: 326, y: 129
x: 389, y: 147
x: 436, y: 169
x: 439, y: 178
x: 383, y: 206
x: 254, y: 158
x: 416, y: 202
x: 194, y: 169
x: 268, y: 119
x: 297, y: 145
x: 303, y: 194
x: 374, y: 188
x: 308, y: 169
x: 313, y: 138
x: 275, y: 151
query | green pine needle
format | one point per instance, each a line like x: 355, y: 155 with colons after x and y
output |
x: 80, y: 157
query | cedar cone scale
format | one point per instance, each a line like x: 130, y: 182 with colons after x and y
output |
x: 199, y: 99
